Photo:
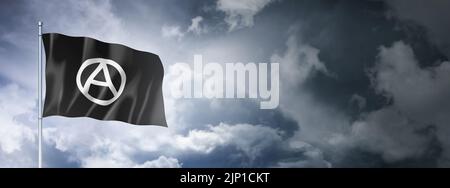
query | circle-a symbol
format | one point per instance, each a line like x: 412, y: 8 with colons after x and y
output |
x: 101, y: 67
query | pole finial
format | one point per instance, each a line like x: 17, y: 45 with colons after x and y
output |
x: 39, y: 23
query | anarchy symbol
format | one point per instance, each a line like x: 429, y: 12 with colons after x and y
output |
x: 101, y: 67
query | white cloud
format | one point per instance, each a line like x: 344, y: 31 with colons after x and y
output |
x: 111, y: 154
x: 388, y: 132
x: 250, y: 139
x: 161, y: 162
x: 105, y: 152
x: 239, y: 13
x: 196, y: 27
x: 95, y: 149
x: 299, y: 61
x: 175, y: 31
x: 312, y: 157
x: 419, y: 95
x: 14, y: 133
x: 320, y: 124
x: 172, y: 31
x: 115, y: 145
x: 17, y: 137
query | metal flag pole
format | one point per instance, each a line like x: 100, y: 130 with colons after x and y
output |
x: 40, y: 97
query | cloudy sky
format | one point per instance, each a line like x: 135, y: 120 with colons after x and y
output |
x: 363, y: 83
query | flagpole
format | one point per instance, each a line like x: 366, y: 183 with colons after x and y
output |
x: 40, y: 97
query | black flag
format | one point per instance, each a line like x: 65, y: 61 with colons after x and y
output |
x: 89, y: 78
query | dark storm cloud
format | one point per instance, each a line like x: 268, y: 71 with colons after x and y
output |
x: 432, y: 14
x: 348, y: 35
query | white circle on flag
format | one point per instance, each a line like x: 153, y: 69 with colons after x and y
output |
x: 101, y: 67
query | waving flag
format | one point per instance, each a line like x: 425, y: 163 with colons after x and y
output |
x: 89, y: 78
